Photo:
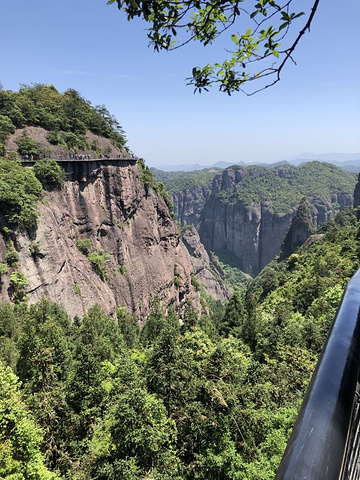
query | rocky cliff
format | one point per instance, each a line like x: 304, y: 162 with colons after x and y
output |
x: 251, y: 234
x: 357, y: 193
x: 205, y: 269
x: 133, y: 239
x: 189, y: 204
x: 300, y: 230
x: 246, y: 212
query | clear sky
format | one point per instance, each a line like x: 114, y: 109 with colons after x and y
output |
x: 89, y: 46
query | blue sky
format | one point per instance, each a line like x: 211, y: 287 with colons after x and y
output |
x: 89, y: 46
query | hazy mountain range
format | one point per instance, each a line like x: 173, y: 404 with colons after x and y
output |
x: 347, y: 161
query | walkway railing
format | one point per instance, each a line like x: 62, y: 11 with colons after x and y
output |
x: 82, y: 158
x: 324, y: 444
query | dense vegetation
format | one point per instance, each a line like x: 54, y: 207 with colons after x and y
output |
x: 67, y: 117
x: 49, y: 172
x: 214, y: 398
x: 282, y: 186
x: 178, y: 181
x: 21, y: 188
x: 19, y: 193
x: 211, y: 397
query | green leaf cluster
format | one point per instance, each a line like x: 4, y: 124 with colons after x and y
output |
x: 18, y: 284
x: 19, y: 194
x: 48, y: 172
x: 20, y: 438
x: 98, y: 261
x: 258, y: 52
x: 28, y: 146
x: 84, y: 245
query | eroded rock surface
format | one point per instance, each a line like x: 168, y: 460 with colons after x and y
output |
x: 251, y: 234
x: 109, y: 205
x: 207, y: 271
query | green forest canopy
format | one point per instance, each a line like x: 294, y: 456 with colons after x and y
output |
x: 214, y: 398
x: 66, y: 116
x: 282, y: 186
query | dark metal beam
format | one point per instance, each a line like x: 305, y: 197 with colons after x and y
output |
x: 317, y: 446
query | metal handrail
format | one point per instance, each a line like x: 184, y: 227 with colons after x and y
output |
x: 317, y: 448
x: 91, y: 159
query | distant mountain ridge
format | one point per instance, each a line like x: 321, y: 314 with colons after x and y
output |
x: 346, y: 161
x: 335, y: 158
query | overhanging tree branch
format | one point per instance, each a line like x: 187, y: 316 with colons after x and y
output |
x: 174, y: 24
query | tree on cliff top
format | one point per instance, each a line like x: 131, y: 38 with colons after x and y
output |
x: 259, y: 52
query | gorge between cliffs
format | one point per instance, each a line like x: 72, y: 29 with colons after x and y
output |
x: 243, y: 214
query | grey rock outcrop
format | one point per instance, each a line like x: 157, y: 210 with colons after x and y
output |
x: 207, y: 271
x: 357, y: 193
x: 250, y: 234
x: 189, y: 203
x: 300, y: 230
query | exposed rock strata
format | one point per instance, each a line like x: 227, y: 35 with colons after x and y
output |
x: 251, y: 234
x: 107, y: 204
x: 206, y: 271
x: 189, y: 203
x: 300, y: 230
x: 357, y: 193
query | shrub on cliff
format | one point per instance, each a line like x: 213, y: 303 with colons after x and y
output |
x: 49, y: 172
x: 3, y: 270
x: 98, y: 261
x: 84, y: 245
x: 28, y: 146
x: 12, y: 257
x: 19, y: 193
x: 18, y: 284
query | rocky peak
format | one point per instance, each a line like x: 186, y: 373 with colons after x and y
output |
x: 357, y: 193
x: 206, y: 270
x: 300, y: 230
x: 245, y: 213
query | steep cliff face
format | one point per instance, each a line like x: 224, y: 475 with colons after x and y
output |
x: 252, y: 234
x: 206, y: 270
x: 300, y: 230
x: 246, y: 213
x: 189, y: 204
x: 107, y: 204
x: 357, y: 193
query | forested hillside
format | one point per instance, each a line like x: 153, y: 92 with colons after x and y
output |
x: 178, y: 181
x: 243, y: 213
x: 70, y: 122
x: 214, y: 398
